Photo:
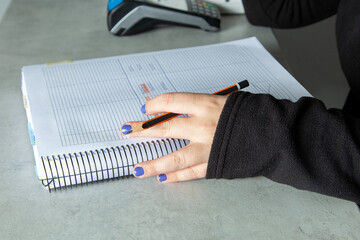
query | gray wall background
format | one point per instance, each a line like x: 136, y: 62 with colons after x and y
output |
x: 312, y: 55
x: 4, y: 4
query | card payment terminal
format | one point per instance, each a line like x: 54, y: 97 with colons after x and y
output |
x: 127, y: 17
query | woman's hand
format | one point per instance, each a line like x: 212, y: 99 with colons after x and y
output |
x: 199, y: 127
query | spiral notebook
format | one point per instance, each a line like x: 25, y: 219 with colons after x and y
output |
x: 75, y: 109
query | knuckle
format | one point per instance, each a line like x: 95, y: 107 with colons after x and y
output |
x: 167, y: 99
x: 212, y: 104
x: 151, y: 169
x: 179, y: 161
x: 193, y: 173
x: 208, y: 127
x: 165, y: 129
x: 211, y: 125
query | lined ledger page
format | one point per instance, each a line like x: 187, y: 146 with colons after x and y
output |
x: 80, y: 106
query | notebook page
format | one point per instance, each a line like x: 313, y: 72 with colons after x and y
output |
x: 81, y: 106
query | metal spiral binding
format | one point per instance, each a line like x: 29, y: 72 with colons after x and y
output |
x: 68, y: 170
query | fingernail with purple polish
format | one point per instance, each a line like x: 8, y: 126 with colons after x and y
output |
x: 143, y: 110
x: 139, y: 171
x: 126, y: 129
x: 162, y: 177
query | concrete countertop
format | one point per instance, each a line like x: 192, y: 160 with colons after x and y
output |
x: 39, y: 31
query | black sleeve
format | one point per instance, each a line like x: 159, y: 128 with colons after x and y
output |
x: 299, y: 144
x: 288, y: 13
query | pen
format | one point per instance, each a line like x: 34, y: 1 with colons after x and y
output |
x: 167, y: 116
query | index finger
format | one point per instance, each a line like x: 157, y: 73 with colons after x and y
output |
x: 181, y: 103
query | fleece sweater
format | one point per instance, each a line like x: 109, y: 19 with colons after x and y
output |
x: 301, y: 144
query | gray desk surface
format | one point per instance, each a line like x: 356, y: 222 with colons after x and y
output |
x: 39, y: 31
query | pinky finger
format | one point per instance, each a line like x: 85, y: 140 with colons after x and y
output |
x: 190, y: 173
